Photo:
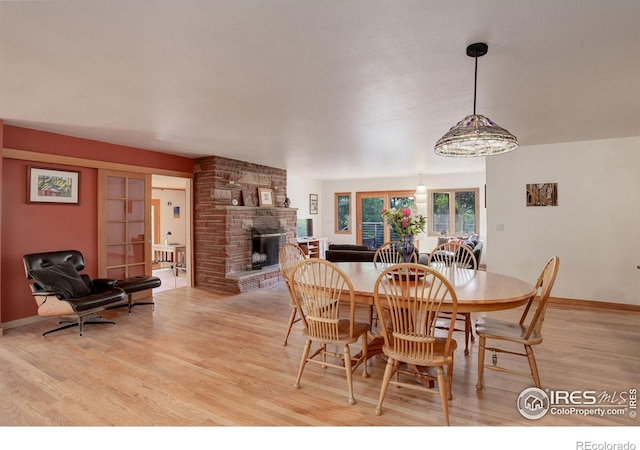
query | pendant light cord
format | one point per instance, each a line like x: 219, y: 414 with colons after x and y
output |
x: 475, y: 86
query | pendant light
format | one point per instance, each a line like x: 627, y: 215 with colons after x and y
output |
x: 421, y: 192
x: 476, y: 135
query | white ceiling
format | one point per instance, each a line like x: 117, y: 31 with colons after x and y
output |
x: 323, y: 88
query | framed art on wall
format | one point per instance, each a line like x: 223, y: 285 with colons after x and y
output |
x: 52, y: 186
x: 542, y: 194
x: 265, y: 196
x: 313, y: 203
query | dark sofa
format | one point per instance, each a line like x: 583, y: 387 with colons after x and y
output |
x: 349, y: 253
x: 356, y: 253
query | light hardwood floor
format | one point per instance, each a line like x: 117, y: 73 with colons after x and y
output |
x: 206, y: 359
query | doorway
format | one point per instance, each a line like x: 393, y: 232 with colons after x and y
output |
x: 171, y: 234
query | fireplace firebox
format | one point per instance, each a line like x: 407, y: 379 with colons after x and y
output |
x: 265, y: 246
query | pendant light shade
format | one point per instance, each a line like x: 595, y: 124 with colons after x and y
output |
x: 421, y: 193
x: 476, y: 135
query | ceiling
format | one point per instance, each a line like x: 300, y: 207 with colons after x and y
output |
x: 325, y: 89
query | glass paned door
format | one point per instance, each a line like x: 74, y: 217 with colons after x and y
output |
x: 372, y: 231
x: 370, y: 224
x: 124, y: 222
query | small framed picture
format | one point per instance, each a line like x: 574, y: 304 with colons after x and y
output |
x: 265, y: 196
x: 542, y: 194
x: 52, y: 186
x: 313, y: 203
x: 247, y: 198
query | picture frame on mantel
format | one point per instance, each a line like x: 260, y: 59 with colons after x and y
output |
x: 265, y: 197
x: 53, y: 186
x: 313, y: 203
x: 247, y: 198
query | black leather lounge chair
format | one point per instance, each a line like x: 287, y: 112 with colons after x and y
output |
x: 60, y: 291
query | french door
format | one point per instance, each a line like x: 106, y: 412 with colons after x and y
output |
x: 124, y: 224
x: 371, y: 229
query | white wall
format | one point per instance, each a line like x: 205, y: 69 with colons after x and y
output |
x: 595, y: 229
x: 329, y: 188
x: 298, y: 191
x: 177, y: 226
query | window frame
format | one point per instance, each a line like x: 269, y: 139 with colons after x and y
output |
x: 336, y: 227
x: 452, y: 210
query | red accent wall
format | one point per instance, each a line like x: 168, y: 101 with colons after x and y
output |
x: 1, y: 190
x: 59, y: 144
x: 35, y: 227
x: 40, y: 227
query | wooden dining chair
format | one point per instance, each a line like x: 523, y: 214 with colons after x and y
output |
x: 387, y: 255
x: 409, y: 298
x: 319, y: 288
x: 289, y: 255
x: 527, y: 331
x: 456, y: 259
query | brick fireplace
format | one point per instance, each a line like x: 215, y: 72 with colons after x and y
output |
x: 224, y: 232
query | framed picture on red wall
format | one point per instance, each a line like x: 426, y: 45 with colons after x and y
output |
x: 52, y: 186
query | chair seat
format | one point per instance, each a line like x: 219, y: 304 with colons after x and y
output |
x: 98, y: 300
x: 505, y: 330
x: 359, y: 328
x: 439, y: 359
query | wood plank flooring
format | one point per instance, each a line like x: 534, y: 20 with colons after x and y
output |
x: 208, y: 359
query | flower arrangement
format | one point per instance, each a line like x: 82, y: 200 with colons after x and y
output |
x: 405, y: 221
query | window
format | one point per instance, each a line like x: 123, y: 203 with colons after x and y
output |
x: 453, y: 211
x: 343, y: 213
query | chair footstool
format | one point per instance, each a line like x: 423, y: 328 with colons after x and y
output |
x: 136, y: 284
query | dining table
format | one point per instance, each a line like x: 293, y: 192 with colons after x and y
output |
x: 476, y: 291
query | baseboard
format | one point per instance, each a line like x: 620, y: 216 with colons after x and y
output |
x: 572, y: 302
x: 20, y: 322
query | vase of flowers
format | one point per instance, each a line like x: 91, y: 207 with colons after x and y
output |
x: 406, y: 247
x: 406, y: 223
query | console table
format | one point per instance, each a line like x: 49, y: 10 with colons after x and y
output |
x: 175, y: 255
x: 313, y: 247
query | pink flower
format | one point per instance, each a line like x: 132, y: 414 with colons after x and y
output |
x: 406, y: 212
x: 405, y: 222
x: 384, y: 210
